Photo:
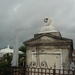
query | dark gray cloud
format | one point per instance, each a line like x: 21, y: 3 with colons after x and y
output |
x: 22, y: 18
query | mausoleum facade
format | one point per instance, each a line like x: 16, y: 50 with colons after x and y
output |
x: 48, y: 48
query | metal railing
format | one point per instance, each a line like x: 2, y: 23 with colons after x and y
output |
x: 35, y: 71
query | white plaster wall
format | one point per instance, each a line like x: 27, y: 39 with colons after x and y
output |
x: 50, y: 59
x: 30, y: 56
x: 65, y: 55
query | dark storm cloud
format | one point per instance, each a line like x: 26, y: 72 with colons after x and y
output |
x: 23, y: 18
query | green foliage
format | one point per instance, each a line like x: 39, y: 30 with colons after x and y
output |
x: 6, y: 61
x: 22, y: 57
x: 23, y: 49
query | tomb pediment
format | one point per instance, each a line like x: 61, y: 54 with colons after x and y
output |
x: 43, y: 38
x: 48, y: 39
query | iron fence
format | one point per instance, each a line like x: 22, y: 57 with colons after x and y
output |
x: 35, y: 71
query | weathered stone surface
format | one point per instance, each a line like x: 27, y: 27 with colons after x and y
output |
x: 49, y: 48
x: 47, y: 51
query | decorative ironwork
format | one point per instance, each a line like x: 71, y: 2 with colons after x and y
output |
x: 44, y: 64
x: 33, y: 64
x: 35, y: 71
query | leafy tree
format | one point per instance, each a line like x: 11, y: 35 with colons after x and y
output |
x: 4, y: 64
x: 6, y: 61
x: 22, y: 57
x: 23, y: 49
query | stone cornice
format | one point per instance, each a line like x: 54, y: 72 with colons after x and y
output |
x: 37, y: 36
x: 49, y: 44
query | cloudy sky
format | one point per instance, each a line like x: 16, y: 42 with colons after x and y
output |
x: 22, y: 18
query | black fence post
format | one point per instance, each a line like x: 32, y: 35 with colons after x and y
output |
x: 53, y: 71
x: 73, y: 72
x: 59, y: 71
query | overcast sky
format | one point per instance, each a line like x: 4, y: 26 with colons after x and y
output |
x: 22, y: 18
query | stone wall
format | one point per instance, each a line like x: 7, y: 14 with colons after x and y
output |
x: 47, y: 56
